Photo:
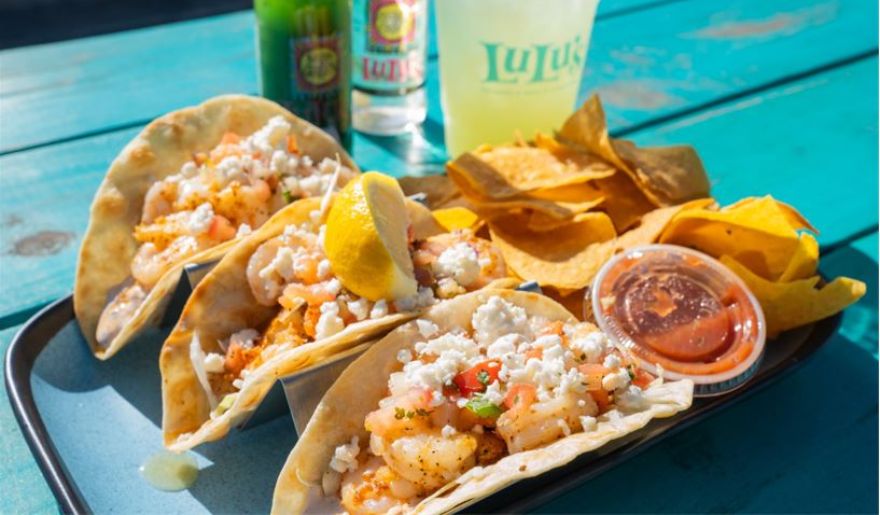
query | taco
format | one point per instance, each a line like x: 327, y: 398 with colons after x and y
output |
x: 181, y: 192
x: 275, y: 304
x: 475, y: 394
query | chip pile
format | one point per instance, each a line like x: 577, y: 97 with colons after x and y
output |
x: 559, y: 207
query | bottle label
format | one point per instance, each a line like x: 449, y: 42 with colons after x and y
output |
x: 389, y: 44
x: 315, y: 75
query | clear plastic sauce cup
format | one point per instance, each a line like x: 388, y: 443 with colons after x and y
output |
x: 681, y: 314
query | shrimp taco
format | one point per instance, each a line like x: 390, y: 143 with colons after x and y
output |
x: 472, y: 396
x: 181, y: 192
x: 301, y: 289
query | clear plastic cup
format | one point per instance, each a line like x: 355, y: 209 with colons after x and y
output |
x: 681, y: 314
x: 509, y: 66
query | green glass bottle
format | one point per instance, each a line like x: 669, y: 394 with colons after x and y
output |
x: 304, y: 53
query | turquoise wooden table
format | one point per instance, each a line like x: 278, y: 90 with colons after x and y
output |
x: 778, y: 96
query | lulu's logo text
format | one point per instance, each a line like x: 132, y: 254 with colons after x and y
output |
x: 507, y: 64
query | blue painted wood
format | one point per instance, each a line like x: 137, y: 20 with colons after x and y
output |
x: 649, y: 63
x: 812, y: 143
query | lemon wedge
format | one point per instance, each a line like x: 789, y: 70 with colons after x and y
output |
x: 365, y: 239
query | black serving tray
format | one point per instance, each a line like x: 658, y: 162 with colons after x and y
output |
x: 48, y: 366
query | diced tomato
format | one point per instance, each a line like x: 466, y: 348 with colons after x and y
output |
x: 292, y: 145
x: 593, y: 373
x: 602, y: 398
x: 476, y: 378
x: 230, y: 138
x: 424, y: 276
x: 642, y: 378
x: 520, y: 395
x: 221, y: 229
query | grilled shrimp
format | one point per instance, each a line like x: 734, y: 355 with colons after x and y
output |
x: 429, y: 459
x: 150, y: 263
x: 244, y: 203
x: 491, y: 262
x: 376, y: 489
x: 118, y: 312
x: 159, y: 200
x: 526, y: 427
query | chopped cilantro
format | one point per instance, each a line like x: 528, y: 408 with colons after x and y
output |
x: 422, y: 413
x: 287, y: 196
x: 482, y: 407
x: 399, y: 413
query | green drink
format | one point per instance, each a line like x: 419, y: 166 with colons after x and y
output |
x: 304, y: 51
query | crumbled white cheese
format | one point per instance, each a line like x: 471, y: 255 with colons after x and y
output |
x: 503, y: 346
x: 460, y: 262
x: 329, y: 323
x: 324, y: 269
x: 424, y: 297
x: 245, y: 338
x: 617, y: 379
x: 494, y: 394
x: 243, y: 230
x: 404, y: 356
x: 611, y: 361
x: 497, y: 318
x: 345, y: 457
x: 200, y: 220
x: 590, y: 347
x: 380, y: 309
x: 270, y: 137
x: 448, y: 431
x: 588, y: 423
x: 448, y: 288
x: 360, y: 308
x: 281, y: 264
x: 427, y: 328
x: 214, y: 363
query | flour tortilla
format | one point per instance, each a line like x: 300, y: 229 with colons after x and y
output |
x: 223, y: 304
x: 342, y: 411
x: 157, y: 152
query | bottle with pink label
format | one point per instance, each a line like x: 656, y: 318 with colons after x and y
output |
x: 389, y: 55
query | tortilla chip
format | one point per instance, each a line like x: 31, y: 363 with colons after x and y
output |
x: 560, y: 257
x: 804, y: 261
x: 760, y: 233
x: 497, y: 173
x: 792, y: 304
x: 624, y: 202
x: 667, y: 175
x: 569, y: 257
x: 454, y: 218
x: 438, y: 188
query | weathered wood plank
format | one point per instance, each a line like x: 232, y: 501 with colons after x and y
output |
x: 648, y: 63
x: 44, y: 202
x: 812, y: 143
x: 807, y: 444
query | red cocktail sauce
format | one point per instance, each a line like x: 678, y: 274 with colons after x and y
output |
x: 679, y: 313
